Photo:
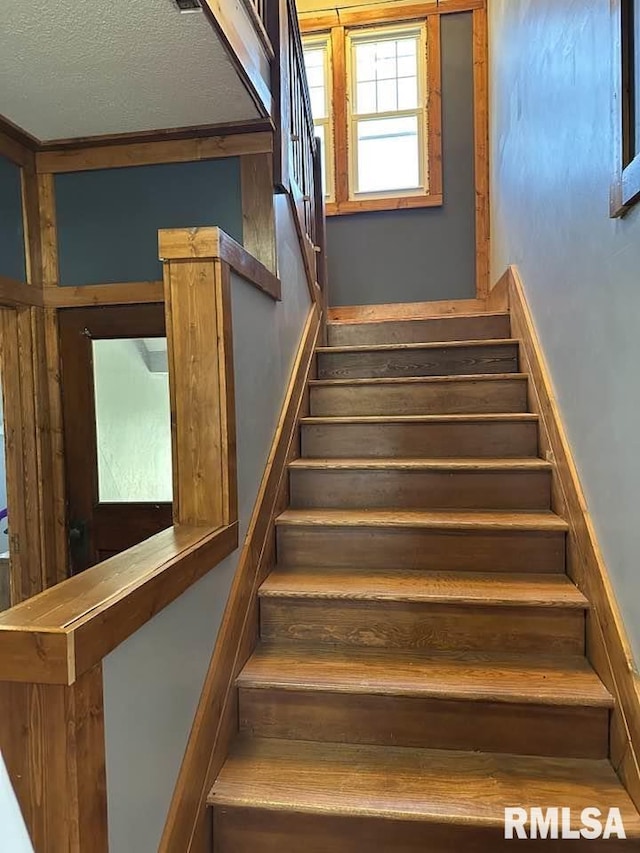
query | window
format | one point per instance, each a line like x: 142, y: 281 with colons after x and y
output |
x: 317, y: 61
x: 626, y: 186
x: 376, y: 107
x: 387, y: 116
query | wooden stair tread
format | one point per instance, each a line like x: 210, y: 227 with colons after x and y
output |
x: 420, y: 380
x: 356, y: 348
x: 436, y: 464
x: 413, y: 784
x: 438, y: 519
x: 426, y: 419
x: 418, y: 317
x: 499, y: 589
x: 465, y: 675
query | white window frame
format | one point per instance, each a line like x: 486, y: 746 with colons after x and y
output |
x: 328, y: 155
x: 368, y: 34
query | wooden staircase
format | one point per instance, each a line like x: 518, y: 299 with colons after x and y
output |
x: 421, y: 663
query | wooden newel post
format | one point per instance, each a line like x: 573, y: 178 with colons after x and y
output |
x: 198, y: 321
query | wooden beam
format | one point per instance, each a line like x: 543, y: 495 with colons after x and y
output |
x: 214, y: 244
x: 196, y: 301
x: 52, y: 739
x: 324, y: 18
x: 16, y: 293
x: 150, y: 153
x: 64, y: 631
x: 48, y: 230
x: 434, y: 106
x: 15, y: 144
x: 481, y: 148
x: 122, y: 293
x: 258, y: 215
x: 216, y: 717
x: 340, y: 119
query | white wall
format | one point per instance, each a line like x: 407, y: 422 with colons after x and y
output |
x: 13, y: 834
x: 133, y: 424
x: 552, y: 153
x: 152, y: 682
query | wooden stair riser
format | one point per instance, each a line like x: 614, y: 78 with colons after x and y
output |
x: 422, y: 625
x: 245, y: 830
x: 433, y: 329
x: 458, y: 360
x: 421, y: 548
x: 415, y: 440
x: 418, y: 489
x: 464, y: 396
x: 412, y: 721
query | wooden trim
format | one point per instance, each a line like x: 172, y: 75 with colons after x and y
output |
x: 112, y: 156
x: 48, y: 229
x: 15, y: 144
x: 31, y: 222
x: 610, y: 655
x: 404, y: 310
x: 163, y: 135
x: 122, y: 293
x: 180, y: 244
x: 16, y: 293
x: 216, y: 717
x: 340, y: 119
x: 53, y: 741
x: 370, y: 205
x: 498, y: 299
x: 380, y: 13
x: 481, y: 148
x: 64, y: 631
x: 258, y: 214
x: 434, y: 106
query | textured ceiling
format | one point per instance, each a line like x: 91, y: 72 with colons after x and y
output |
x: 73, y: 68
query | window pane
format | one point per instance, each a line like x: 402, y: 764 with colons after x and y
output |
x: 407, y: 93
x: 315, y: 63
x: 133, y: 422
x: 388, y: 154
x: 366, y: 98
x: 387, y: 96
x: 393, y: 65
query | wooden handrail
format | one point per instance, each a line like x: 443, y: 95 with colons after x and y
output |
x: 64, y: 631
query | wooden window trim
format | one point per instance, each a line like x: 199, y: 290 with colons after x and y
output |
x: 343, y: 202
x: 625, y: 187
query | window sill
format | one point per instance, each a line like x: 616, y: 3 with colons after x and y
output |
x: 371, y: 205
x: 626, y: 190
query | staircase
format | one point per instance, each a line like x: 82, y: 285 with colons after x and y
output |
x: 421, y: 663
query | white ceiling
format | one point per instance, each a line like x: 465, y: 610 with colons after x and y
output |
x: 72, y: 68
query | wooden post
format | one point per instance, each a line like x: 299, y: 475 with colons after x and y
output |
x: 52, y: 740
x: 198, y: 320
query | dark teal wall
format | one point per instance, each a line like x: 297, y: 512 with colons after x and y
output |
x: 11, y: 232
x: 108, y: 220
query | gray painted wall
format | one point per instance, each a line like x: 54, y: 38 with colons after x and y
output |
x: 419, y: 255
x: 108, y: 219
x: 11, y: 233
x: 152, y: 682
x: 552, y: 154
